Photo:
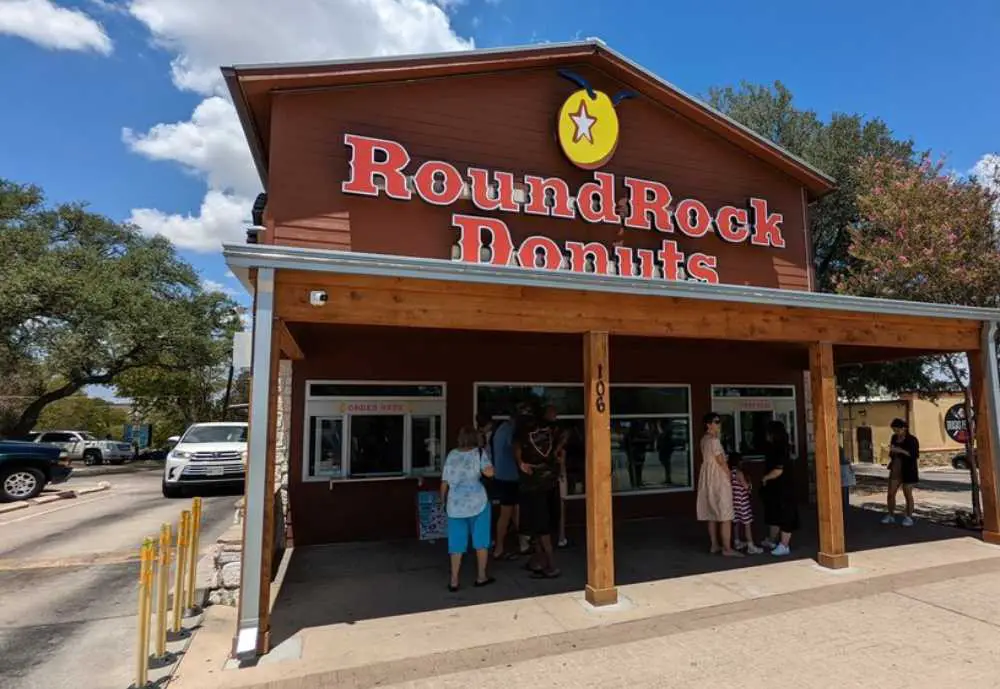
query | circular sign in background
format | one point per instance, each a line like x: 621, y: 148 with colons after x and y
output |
x: 956, y: 425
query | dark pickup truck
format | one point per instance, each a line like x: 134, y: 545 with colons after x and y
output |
x: 26, y: 468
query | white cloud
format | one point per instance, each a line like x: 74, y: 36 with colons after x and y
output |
x: 202, y: 36
x: 222, y: 218
x: 214, y: 286
x: 210, y: 144
x: 987, y: 172
x: 51, y: 26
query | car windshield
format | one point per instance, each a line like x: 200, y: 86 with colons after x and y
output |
x: 215, y: 434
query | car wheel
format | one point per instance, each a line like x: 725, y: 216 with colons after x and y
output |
x: 20, y: 483
x: 958, y: 462
x: 91, y: 457
x: 170, y: 491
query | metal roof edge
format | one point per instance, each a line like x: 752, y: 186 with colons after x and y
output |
x: 414, y: 57
x: 356, y: 263
x: 247, y: 124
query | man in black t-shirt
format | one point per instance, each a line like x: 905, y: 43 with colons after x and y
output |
x: 537, y: 449
x: 904, y: 451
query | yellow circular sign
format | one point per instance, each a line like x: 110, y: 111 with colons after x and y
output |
x: 588, y: 129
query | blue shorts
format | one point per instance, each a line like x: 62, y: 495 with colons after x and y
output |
x: 461, y: 528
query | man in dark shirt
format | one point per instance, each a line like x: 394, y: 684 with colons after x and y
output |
x: 904, y: 451
x: 537, y: 448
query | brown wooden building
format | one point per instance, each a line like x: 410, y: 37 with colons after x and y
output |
x: 444, y: 235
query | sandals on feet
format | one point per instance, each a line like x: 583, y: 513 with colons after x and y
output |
x: 485, y: 582
x: 542, y: 574
x: 452, y: 588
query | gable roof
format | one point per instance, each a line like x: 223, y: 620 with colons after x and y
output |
x: 251, y: 86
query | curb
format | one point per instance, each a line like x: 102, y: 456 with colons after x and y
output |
x: 87, y: 471
x: 54, y: 497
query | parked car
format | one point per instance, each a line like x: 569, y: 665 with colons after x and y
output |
x: 207, y: 454
x: 960, y: 461
x: 81, y: 445
x: 26, y: 468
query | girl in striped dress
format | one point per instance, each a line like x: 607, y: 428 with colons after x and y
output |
x: 742, y: 506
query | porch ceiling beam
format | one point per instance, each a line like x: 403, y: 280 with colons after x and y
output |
x: 286, y: 342
x: 411, y: 302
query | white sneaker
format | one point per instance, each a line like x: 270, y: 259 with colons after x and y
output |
x: 907, y: 521
x: 889, y: 519
x: 768, y: 543
x: 780, y: 550
x: 753, y: 549
x: 739, y: 545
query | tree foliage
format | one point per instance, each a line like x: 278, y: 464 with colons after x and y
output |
x: 87, y: 301
x: 79, y: 412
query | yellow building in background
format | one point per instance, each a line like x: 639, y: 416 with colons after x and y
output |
x: 865, y: 432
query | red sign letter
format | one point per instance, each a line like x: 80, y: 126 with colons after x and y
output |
x: 648, y: 198
x: 427, y: 182
x: 766, y: 227
x: 364, y: 167
x: 603, y: 190
x: 598, y: 253
x: 702, y: 267
x: 504, y: 200
x: 537, y: 247
x: 731, y: 224
x: 470, y: 240
x: 671, y: 259
x: 693, y: 218
x: 538, y: 204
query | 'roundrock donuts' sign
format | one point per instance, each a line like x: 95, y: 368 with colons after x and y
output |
x: 379, y: 166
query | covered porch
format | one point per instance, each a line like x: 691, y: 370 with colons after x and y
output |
x: 365, y: 290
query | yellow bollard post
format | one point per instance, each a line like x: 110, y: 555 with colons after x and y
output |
x: 145, y: 600
x: 193, y: 564
x: 162, y: 585
x: 179, y: 571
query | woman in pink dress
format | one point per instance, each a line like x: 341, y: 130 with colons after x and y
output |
x: 715, y: 491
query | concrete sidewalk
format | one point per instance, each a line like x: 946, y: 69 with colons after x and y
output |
x: 921, y: 614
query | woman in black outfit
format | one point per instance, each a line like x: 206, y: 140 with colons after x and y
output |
x: 781, y: 512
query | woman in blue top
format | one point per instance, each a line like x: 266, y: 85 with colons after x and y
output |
x: 466, y: 504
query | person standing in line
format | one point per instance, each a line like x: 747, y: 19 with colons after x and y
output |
x: 904, y: 451
x: 536, y: 448
x: 505, y: 487
x: 467, y: 505
x: 742, y: 507
x: 715, y: 492
x: 781, y: 511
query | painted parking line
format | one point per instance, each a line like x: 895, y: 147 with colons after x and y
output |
x: 69, y: 503
x: 89, y: 560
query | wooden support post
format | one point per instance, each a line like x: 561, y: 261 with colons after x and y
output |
x: 597, y: 414
x: 267, y: 555
x: 823, y: 380
x: 984, y: 409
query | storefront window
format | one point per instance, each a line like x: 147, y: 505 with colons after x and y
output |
x: 382, y: 431
x: 650, y: 430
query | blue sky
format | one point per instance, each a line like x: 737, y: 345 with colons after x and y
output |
x: 79, y: 73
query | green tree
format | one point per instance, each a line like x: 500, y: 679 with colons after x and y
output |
x: 85, y: 301
x: 78, y: 412
x: 926, y: 236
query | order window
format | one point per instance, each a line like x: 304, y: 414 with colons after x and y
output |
x: 371, y: 430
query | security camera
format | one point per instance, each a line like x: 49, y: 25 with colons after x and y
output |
x: 317, y: 297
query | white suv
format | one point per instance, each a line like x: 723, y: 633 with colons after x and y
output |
x: 82, y: 445
x: 207, y: 454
